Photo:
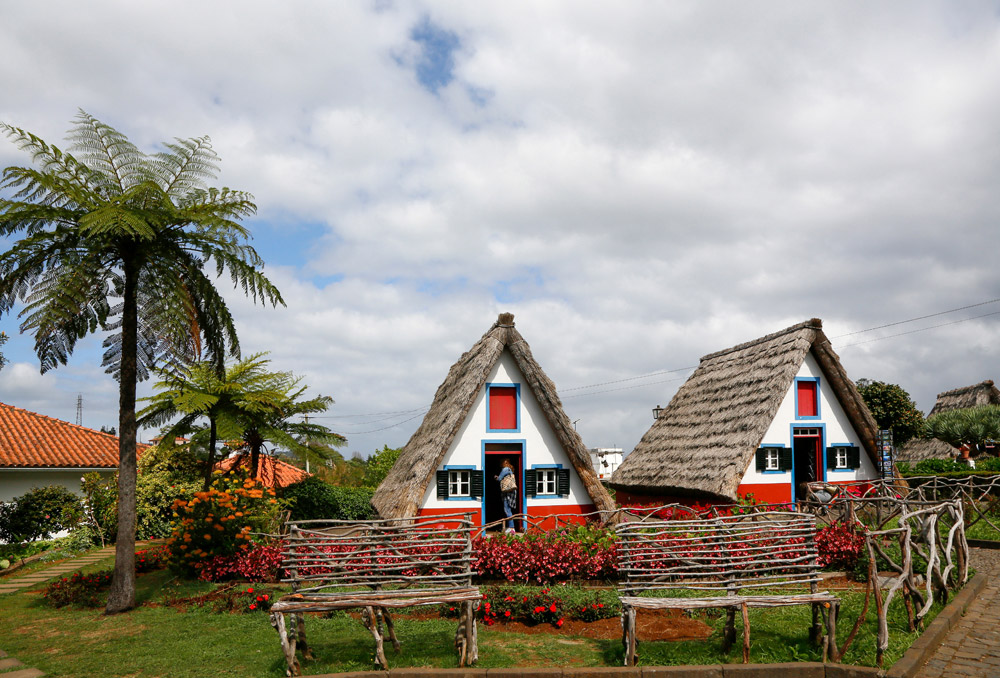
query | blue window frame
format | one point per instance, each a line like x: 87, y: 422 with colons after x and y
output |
x: 546, y: 480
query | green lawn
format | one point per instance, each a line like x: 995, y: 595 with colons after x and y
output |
x: 157, y: 640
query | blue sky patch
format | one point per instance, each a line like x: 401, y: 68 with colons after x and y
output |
x: 437, y: 61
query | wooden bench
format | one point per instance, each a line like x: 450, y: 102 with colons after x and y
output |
x: 377, y: 565
x: 732, y: 562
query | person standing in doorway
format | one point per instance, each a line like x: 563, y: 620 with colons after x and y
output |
x: 508, y: 492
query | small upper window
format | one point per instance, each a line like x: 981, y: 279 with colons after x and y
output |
x: 806, y: 398
x: 503, y: 408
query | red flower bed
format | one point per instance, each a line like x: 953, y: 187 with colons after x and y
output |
x: 548, y: 557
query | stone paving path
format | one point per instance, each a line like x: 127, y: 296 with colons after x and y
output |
x: 972, y: 647
x: 14, y: 582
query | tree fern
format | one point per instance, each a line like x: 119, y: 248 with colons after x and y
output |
x: 115, y: 240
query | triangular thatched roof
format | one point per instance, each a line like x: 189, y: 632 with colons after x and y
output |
x: 918, y: 449
x: 401, y: 493
x: 703, y: 442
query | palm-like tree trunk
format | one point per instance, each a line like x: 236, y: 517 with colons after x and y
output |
x: 121, y: 597
x: 212, y: 439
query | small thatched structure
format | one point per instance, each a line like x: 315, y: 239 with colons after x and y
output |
x: 401, y: 493
x: 706, y: 438
x: 919, y: 449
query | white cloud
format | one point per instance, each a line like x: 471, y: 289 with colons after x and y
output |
x: 640, y: 185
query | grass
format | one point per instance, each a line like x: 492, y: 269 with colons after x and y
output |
x: 156, y: 639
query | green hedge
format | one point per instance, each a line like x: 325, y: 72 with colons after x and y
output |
x: 313, y: 498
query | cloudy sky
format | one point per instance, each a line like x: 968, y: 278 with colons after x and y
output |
x: 639, y: 183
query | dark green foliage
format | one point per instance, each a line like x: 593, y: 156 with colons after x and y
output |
x: 893, y: 409
x: 972, y: 427
x: 313, y: 498
x: 379, y: 465
x: 39, y: 513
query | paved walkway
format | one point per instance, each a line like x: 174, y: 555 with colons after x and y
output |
x: 15, y: 582
x: 972, y: 647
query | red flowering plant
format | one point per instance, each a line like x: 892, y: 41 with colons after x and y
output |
x: 550, y: 605
x: 219, y: 522
x: 151, y: 559
x: 840, y: 545
x: 559, y: 555
x: 257, y: 563
x: 79, y: 589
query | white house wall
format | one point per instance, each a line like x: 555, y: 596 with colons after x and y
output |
x: 541, y: 446
x: 16, y: 482
x: 838, y: 430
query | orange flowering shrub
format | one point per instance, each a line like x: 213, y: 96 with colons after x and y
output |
x: 219, y: 522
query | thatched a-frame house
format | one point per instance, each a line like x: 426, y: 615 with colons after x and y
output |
x: 918, y: 449
x: 496, y: 403
x: 759, y: 418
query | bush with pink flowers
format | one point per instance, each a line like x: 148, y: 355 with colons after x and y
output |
x: 558, y: 555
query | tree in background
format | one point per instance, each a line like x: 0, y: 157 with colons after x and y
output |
x: 379, y: 465
x: 969, y: 429
x: 119, y: 241
x: 3, y: 340
x: 893, y: 409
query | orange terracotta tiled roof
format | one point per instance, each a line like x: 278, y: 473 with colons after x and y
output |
x: 30, y: 440
x: 273, y: 472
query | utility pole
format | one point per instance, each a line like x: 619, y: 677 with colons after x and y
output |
x: 307, y: 444
x: 79, y: 409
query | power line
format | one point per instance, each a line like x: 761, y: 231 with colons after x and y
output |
x: 385, y: 428
x: 923, y: 317
x: 922, y: 329
x: 619, y: 381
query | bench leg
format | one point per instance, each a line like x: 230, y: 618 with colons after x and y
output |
x: 816, y: 630
x: 369, y: 620
x: 391, y: 628
x: 729, y: 631
x: 299, y: 622
x: 831, y: 632
x: 746, y: 633
x: 628, y: 634
x: 287, y: 644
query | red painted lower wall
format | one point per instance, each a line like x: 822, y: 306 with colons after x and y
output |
x: 574, y: 514
x: 767, y: 493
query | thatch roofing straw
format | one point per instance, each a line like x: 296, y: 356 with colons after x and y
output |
x: 705, y: 439
x: 402, y: 491
x: 919, y: 449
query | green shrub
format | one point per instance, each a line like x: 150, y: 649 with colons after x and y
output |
x: 155, y: 493
x: 313, y: 498
x: 39, y: 513
x: 219, y: 522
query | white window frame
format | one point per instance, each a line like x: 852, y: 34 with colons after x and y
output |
x: 546, y: 481
x: 772, y: 458
x: 840, y: 458
x: 459, y: 483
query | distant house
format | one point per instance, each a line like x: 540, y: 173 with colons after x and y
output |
x: 919, y: 449
x: 759, y: 418
x: 605, y: 461
x: 496, y: 403
x: 36, y: 451
x: 272, y: 472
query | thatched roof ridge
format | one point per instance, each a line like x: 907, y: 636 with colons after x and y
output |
x: 983, y: 393
x: 705, y: 439
x: 919, y: 449
x: 400, y: 494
